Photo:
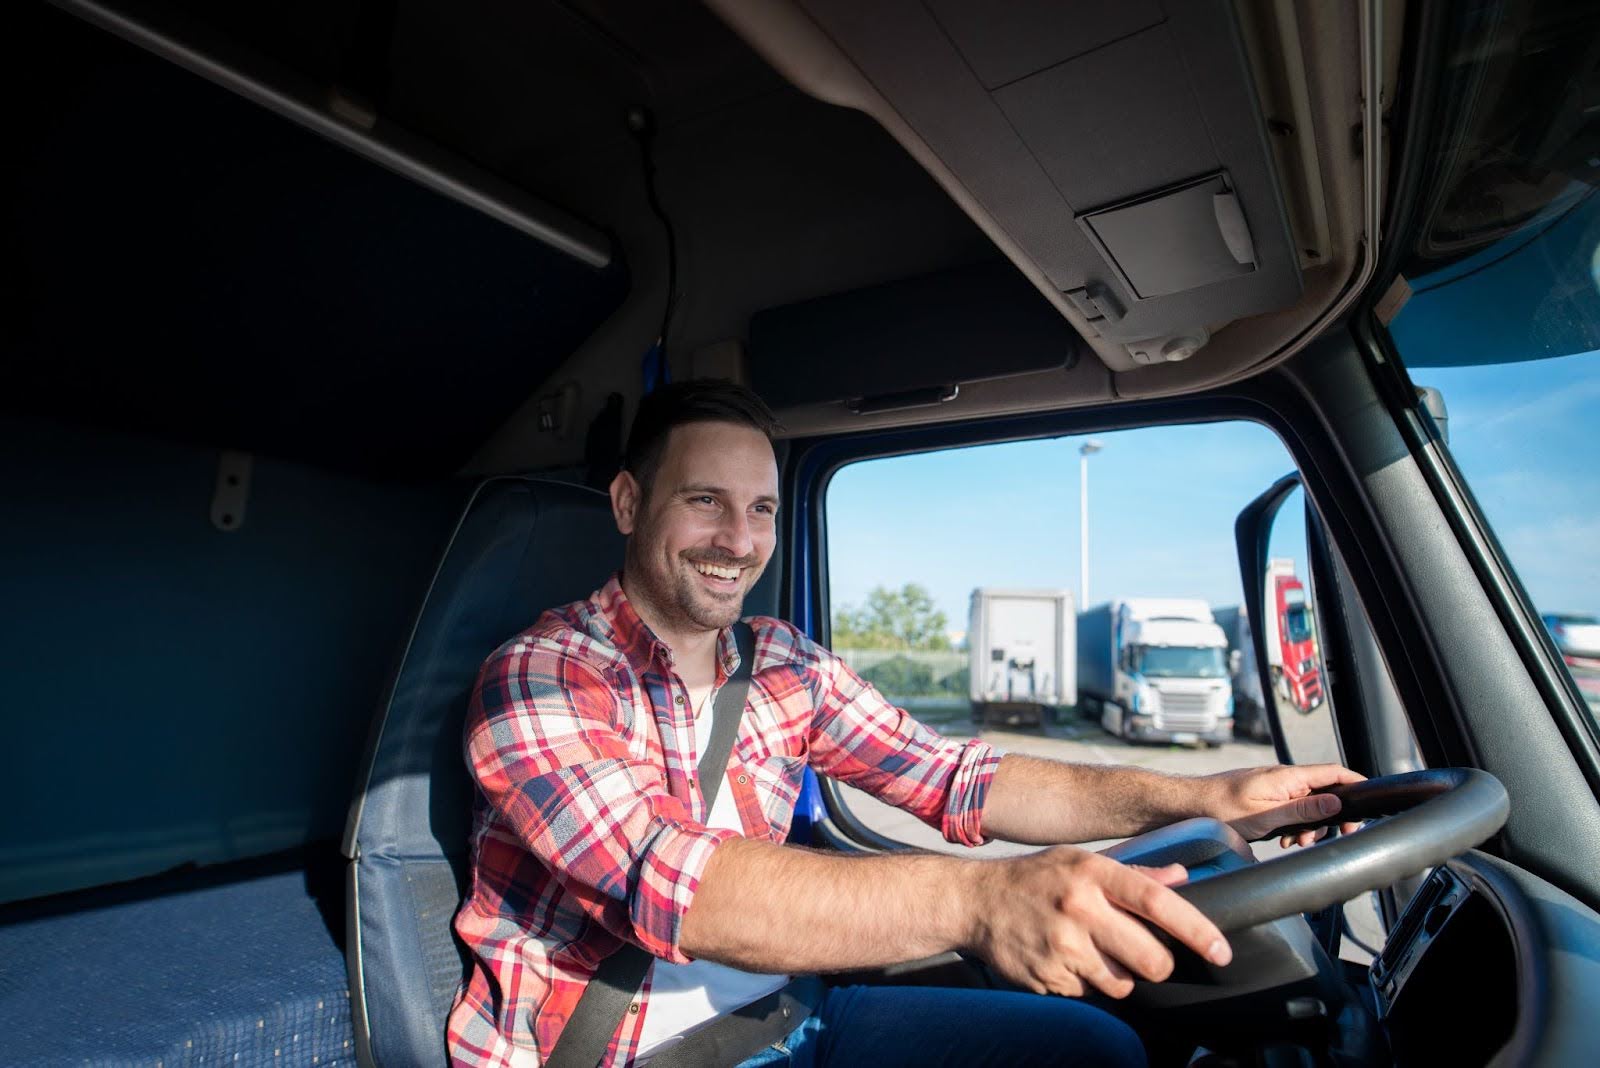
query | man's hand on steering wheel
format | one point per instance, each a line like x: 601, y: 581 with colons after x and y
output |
x: 1257, y: 801
x: 1063, y: 920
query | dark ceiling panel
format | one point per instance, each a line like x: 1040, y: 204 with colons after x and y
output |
x: 1010, y: 39
x: 197, y: 267
x: 1120, y: 120
x: 1136, y: 119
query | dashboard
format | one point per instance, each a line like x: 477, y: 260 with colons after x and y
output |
x: 1490, y: 965
x: 1445, y: 982
x: 1487, y: 965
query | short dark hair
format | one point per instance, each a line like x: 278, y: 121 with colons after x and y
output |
x: 695, y: 400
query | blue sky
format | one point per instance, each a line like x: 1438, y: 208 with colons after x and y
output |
x: 1162, y: 501
x: 1527, y: 439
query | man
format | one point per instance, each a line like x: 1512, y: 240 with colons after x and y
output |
x: 591, y: 833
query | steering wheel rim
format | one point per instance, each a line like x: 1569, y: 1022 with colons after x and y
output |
x: 1431, y: 816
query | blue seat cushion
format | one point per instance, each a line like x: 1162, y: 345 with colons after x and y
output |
x: 239, y: 965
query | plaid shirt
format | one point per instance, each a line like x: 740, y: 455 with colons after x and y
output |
x: 588, y: 828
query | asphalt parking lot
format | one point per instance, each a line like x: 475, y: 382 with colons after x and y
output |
x: 1310, y: 740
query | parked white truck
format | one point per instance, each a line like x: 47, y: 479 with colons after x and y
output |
x: 1156, y: 669
x: 1021, y: 646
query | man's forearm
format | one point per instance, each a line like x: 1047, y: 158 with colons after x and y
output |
x: 1048, y: 802
x: 770, y: 908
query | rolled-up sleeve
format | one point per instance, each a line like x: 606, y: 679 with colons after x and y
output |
x: 542, y: 745
x: 859, y: 738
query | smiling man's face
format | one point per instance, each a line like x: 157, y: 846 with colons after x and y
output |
x: 702, y: 535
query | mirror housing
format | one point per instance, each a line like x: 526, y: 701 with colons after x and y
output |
x: 1252, y: 531
x: 1432, y: 402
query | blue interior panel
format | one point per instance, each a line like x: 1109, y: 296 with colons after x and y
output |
x: 174, y: 693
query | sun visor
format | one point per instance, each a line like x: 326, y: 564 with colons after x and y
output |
x: 908, y: 343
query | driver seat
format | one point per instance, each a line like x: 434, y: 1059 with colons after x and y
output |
x: 522, y: 545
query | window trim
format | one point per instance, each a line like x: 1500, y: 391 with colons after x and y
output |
x: 815, y: 462
x: 1490, y: 562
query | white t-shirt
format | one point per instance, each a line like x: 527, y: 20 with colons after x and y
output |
x: 685, y: 997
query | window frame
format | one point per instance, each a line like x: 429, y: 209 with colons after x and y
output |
x: 815, y: 461
x: 1490, y: 562
x: 1365, y: 452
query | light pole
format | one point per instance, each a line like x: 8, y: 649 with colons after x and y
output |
x: 1086, y: 450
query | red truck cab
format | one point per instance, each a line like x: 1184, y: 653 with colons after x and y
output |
x: 1297, y: 645
x: 1292, y: 650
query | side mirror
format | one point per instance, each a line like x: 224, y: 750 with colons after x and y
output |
x: 1432, y: 402
x: 1278, y: 570
x: 1252, y: 533
x: 1235, y: 661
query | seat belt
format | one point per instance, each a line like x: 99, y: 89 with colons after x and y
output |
x: 616, y: 982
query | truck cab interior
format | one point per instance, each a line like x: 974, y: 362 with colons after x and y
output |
x: 327, y: 320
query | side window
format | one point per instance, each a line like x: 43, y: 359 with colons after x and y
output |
x: 1498, y: 310
x: 1516, y: 405
x: 1524, y: 436
x: 1077, y: 598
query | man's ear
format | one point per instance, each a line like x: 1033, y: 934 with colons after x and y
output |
x: 625, y: 502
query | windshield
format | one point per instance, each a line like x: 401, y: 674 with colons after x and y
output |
x: 1180, y: 661
x: 1503, y: 313
x: 1298, y: 619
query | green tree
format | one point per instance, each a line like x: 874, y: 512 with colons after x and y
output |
x: 957, y: 682
x: 892, y: 619
x: 901, y: 676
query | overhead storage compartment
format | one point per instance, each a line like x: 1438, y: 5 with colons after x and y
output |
x: 1119, y: 144
x: 1175, y: 239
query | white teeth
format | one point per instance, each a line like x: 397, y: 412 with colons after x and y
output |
x: 717, y: 572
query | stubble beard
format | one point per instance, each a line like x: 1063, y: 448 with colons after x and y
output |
x: 673, y: 592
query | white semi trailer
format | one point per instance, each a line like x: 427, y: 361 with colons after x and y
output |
x: 1021, y: 646
x: 1156, y: 669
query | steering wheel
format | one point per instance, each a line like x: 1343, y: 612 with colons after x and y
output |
x: 1423, y: 818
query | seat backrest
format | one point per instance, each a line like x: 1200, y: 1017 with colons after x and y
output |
x: 522, y: 546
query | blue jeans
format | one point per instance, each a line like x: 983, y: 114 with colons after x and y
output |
x: 886, y: 1026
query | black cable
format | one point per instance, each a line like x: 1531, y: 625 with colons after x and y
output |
x: 1344, y: 922
x: 643, y: 126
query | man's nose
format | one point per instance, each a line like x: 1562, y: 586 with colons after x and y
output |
x: 734, y: 535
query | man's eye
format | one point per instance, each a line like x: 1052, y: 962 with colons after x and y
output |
x: 704, y: 500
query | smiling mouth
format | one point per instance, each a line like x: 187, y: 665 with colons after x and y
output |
x: 717, y: 571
